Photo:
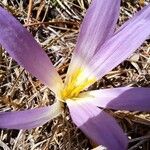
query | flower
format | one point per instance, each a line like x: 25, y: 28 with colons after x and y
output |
x: 98, y: 50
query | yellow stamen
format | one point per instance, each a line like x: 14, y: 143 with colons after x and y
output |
x: 76, y: 83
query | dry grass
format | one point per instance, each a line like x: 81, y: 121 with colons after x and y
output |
x: 55, y: 24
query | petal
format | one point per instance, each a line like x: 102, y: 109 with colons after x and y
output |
x: 98, y: 25
x: 20, y: 44
x: 97, y: 125
x: 130, y: 36
x: 29, y: 118
x: 125, y: 98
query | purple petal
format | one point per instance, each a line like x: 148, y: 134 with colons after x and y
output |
x: 125, y: 98
x: 98, y: 25
x: 122, y: 44
x: 20, y: 44
x: 97, y: 125
x: 29, y: 118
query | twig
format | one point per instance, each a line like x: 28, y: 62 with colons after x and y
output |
x: 29, y: 11
x: 52, y: 23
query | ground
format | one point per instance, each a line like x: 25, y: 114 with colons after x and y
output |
x: 55, y: 25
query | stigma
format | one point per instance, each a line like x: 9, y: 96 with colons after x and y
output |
x: 76, y: 82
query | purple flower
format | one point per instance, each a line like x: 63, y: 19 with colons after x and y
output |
x: 99, y: 49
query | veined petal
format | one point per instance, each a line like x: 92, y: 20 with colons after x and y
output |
x: 97, y: 125
x: 129, y: 37
x: 20, y: 44
x: 125, y: 98
x: 29, y: 118
x: 98, y: 25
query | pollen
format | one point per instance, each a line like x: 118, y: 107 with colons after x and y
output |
x: 76, y: 83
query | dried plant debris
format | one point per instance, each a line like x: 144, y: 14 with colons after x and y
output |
x: 55, y: 25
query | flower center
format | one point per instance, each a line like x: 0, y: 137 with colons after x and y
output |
x: 75, y: 83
